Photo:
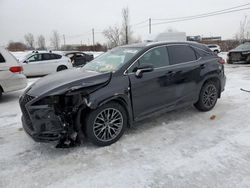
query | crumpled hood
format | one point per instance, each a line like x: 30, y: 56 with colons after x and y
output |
x: 63, y: 81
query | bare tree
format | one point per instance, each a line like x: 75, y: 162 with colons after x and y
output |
x: 126, y: 32
x: 29, y: 39
x: 55, y: 40
x: 41, y: 42
x: 244, y: 30
x: 112, y: 34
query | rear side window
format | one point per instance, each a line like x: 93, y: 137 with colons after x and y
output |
x: 52, y: 56
x: 46, y: 57
x: 2, y: 60
x: 181, y: 54
x: 56, y: 56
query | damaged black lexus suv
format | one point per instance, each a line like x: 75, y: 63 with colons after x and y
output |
x: 126, y: 84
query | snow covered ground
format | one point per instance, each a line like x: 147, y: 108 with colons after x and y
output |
x: 183, y: 148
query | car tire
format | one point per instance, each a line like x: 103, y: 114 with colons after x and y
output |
x: 1, y: 93
x: 216, y: 51
x: 61, y: 68
x: 106, y: 124
x: 208, y: 96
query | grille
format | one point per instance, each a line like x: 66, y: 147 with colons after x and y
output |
x: 23, y: 102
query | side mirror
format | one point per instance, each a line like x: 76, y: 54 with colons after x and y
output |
x: 26, y: 61
x: 144, y: 68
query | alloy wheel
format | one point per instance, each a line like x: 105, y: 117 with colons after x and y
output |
x: 209, y: 96
x: 108, y: 124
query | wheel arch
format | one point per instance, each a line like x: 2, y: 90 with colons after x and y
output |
x: 213, y: 79
x: 124, y: 102
x: 120, y: 99
x: 62, y: 65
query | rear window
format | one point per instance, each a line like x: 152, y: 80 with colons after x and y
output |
x: 181, y: 54
x: 2, y: 60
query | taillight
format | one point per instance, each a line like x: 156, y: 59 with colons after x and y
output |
x: 222, y: 61
x: 16, y: 69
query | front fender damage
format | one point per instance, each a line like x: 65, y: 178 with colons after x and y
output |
x: 68, y: 110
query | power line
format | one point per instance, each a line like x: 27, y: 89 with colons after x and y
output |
x: 198, y: 17
x: 204, y: 14
x: 139, y: 23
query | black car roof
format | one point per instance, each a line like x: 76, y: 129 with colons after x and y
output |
x: 152, y: 44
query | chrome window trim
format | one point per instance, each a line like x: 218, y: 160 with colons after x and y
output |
x: 164, y: 45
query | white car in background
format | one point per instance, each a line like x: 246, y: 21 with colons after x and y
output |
x: 214, y: 47
x: 11, y: 77
x: 43, y: 63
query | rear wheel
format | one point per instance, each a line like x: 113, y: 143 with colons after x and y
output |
x: 1, y: 93
x: 208, y: 96
x: 60, y: 68
x: 106, y: 125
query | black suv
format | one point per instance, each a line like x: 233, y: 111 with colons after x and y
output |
x: 122, y: 86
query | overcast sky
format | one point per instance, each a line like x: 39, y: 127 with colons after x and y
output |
x: 76, y: 18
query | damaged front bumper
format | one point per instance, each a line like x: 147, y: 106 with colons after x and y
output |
x: 48, y: 122
x: 40, y: 122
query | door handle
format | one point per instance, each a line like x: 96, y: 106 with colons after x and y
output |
x: 202, y: 66
x: 170, y: 73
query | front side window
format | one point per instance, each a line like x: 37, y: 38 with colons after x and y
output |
x: 112, y: 60
x: 181, y: 54
x: 158, y: 57
x: 34, y: 58
x: 2, y: 60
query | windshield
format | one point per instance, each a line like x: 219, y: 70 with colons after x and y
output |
x: 112, y: 60
x: 245, y: 46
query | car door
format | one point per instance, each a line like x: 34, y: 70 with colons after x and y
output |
x: 153, y: 90
x: 184, y: 72
x: 32, y: 66
x: 49, y: 63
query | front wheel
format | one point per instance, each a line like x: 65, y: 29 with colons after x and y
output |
x: 106, y: 125
x: 208, y: 96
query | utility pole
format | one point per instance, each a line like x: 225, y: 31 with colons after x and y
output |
x: 149, y: 26
x: 93, y: 38
x: 64, y: 40
x: 126, y: 34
